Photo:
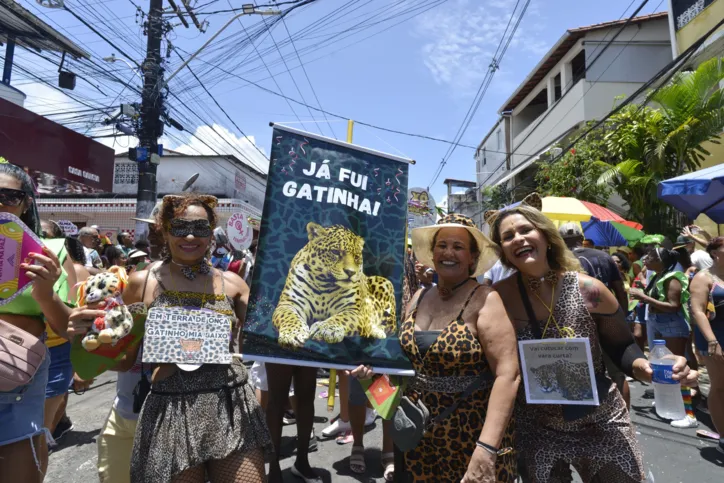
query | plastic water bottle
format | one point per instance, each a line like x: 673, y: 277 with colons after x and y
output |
x: 667, y: 391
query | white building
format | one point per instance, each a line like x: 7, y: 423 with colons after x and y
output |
x: 239, y: 187
x: 568, y: 87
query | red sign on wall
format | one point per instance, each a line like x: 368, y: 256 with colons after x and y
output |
x: 37, y: 143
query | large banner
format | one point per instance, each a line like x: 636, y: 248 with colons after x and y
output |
x: 327, y: 283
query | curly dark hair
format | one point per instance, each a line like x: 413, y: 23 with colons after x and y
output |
x: 173, y: 207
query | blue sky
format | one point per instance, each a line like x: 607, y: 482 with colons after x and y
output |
x: 419, y: 76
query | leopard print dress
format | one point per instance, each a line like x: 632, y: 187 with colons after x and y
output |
x: 194, y: 417
x: 601, y: 444
x: 444, y: 453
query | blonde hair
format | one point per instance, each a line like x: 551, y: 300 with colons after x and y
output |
x: 559, y: 256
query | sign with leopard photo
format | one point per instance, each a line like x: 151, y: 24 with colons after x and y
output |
x: 186, y: 335
x: 558, y: 371
x: 327, y: 283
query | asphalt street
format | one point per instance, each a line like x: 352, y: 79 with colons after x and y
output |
x: 671, y: 455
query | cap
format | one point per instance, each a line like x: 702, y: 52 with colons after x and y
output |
x: 682, y: 241
x: 137, y: 253
x: 570, y: 230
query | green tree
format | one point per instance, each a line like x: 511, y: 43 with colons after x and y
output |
x: 495, y: 197
x: 647, y: 145
x: 576, y: 173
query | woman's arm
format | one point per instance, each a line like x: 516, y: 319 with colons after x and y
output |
x: 700, y: 288
x: 673, y: 297
x: 500, y: 346
x: 238, y: 290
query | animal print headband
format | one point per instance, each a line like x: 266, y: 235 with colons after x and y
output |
x: 533, y: 200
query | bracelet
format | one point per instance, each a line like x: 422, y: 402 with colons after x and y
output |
x: 710, y: 342
x: 492, y: 449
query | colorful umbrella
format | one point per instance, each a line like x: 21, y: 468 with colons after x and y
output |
x: 696, y: 193
x: 565, y: 209
x: 610, y: 233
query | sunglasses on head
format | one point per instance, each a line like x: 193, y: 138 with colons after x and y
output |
x: 11, y: 197
x: 184, y: 228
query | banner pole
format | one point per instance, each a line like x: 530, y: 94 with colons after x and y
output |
x: 331, y: 389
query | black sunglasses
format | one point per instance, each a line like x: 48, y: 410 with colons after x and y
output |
x: 11, y: 197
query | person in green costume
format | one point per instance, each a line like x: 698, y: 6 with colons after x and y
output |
x: 23, y: 437
x: 667, y: 295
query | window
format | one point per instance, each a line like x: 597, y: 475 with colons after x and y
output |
x: 485, y: 157
x: 578, y: 67
x: 557, y: 87
x: 125, y: 173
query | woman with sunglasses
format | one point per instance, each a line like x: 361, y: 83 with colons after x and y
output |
x: 23, y: 435
x: 201, y: 425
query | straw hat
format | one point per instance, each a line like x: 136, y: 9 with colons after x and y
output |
x: 422, y: 242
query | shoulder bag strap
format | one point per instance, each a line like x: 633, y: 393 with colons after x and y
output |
x: 474, y: 386
x: 535, y: 326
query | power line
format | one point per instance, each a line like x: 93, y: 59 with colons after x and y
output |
x: 669, y: 71
x: 568, y: 90
x: 227, y: 116
x: 289, y: 72
x: 307, y: 76
x: 494, y: 66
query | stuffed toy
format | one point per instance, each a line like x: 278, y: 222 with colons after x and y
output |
x: 103, y: 291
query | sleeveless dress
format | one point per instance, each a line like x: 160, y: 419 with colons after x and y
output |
x: 601, y: 441
x: 192, y: 417
x: 444, y: 452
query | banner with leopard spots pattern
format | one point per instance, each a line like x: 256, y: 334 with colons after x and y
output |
x: 327, y: 283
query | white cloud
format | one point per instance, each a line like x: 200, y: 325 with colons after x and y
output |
x: 224, y: 141
x: 461, y: 37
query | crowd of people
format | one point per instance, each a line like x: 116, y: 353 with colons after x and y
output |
x: 468, y: 300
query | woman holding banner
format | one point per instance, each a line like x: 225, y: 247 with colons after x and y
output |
x: 463, y: 349
x: 202, y: 424
x: 570, y: 412
x: 23, y: 435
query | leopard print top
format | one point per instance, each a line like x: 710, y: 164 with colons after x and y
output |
x: 444, y: 452
x: 603, y: 441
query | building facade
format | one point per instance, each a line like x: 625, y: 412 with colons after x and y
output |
x: 239, y: 187
x: 575, y: 82
x: 690, y: 21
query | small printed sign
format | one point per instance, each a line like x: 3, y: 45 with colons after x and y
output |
x: 68, y: 227
x: 239, y: 231
x: 16, y: 242
x: 186, y: 335
x: 558, y: 371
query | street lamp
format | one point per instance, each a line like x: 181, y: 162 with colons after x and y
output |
x: 246, y: 9
x: 112, y: 58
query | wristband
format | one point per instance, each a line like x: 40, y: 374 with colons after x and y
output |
x: 492, y: 449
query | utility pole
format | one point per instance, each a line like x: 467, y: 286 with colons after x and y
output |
x: 150, y: 128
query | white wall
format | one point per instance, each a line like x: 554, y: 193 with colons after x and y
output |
x: 217, y: 176
x: 564, y: 115
x: 600, y: 97
x: 622, y: 68
x: 490, y: 164
x: 11, y: 94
